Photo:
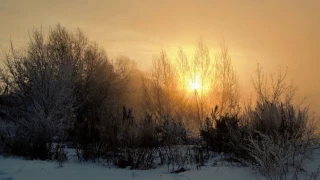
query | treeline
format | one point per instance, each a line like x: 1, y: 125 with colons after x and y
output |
x: 62, y: 89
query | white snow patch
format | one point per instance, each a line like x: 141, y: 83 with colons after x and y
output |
x: 19, y: 169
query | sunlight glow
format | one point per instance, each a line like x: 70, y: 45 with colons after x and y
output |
x: 198, y: 85
x: 194, y: 84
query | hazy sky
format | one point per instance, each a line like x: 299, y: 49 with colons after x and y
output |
x: 272, y: 33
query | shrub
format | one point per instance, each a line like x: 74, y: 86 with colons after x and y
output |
x: 19, y: 142
x: 59, y: 155
x: 222, y: 133
x: 136, y: 142
x: 136, y: 158
x: 7, y: 130
x: 274, y: 157
x: 280, y: 119
x: 281, y: 138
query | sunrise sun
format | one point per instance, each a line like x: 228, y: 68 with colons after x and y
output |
x: 194, y: 84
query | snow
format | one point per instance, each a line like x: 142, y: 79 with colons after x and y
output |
x: 17, y: 168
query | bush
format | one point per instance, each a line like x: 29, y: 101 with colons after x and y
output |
x: 281, y: 138
x: 223, y: 133
x: 145, y: 143
x: 171, y: 132
x: 19, y: 142
x: 279, y: 119
x: 7, y: 135
x: 59, y: 155
x: 275, y: 158
x: 136, y: 142
x: 136, y: 158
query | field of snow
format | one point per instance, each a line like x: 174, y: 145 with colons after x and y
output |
x: 19, y: 169
x: 16, y: 169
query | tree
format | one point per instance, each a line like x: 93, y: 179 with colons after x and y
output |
x: 189, y: 87
x: 159, y: 88
x: 61, y: 80
x: 227, y: 83
x: 277, y: 89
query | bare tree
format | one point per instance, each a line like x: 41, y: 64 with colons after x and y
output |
x: 191, y: 86
x: 159, y: 87
x: 227, y: 83
x: 276, y: 89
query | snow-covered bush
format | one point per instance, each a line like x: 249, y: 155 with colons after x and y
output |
x: 281, y: 138
x: 281, y: 130
x: 279, y: 119
x: 275, y: 157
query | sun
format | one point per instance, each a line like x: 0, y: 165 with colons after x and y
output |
x: 198, y: 85
x: 194, y: 84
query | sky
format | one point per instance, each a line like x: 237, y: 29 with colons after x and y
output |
x: 278, y: 33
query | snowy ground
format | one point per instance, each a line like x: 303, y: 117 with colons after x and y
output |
x: 16, y: 169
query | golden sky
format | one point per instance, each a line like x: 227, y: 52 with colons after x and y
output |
x: 272, y: 33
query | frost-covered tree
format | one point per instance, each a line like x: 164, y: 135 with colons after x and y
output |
x: 43, y: 86
x: 61, y: 82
